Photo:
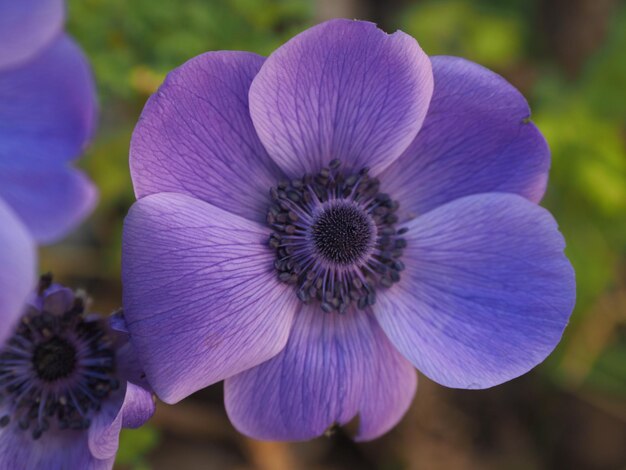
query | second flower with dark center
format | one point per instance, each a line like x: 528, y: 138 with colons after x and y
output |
x: 335, y: 237
x: 56, y: 369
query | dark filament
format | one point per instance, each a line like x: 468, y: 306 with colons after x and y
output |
x: 335, y: 237
x: 56, y: 370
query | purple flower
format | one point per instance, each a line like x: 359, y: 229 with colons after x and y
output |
x: 17, y: 272
x: 313, y: 225
x: 47, y: 115
x: 68, y: 379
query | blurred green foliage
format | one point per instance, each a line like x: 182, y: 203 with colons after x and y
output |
x: 134, y: 445
x: 125, y: 37
x: 133, y: 44
x: 491, y: 37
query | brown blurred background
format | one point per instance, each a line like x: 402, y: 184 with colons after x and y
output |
x: 568, y: 57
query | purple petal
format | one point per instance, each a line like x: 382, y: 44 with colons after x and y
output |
x: 343, y: 89
x: 333, y: 368
x: 139, y: 406
x: 129, y: 368
x: 201, y: 298
x: 47, y: 107
x: 26, y: 27
x: 53, y: 451
x: 104, y: 432
x: 136, y: 408
x: 50, y: 199
x: 117, y: 322
x: 476, y: 138
x: 486, y: 294
x: 17, y: 269
x: 56, y: 299
x: 59, y: 301
x: 196, y: 137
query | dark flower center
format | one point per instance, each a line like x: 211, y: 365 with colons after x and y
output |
x: 54, y: 359
x: 335, y: 237
x: 342, y: 234
x: 56, y: 370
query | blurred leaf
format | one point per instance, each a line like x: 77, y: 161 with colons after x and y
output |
x: 457, y: 27
x: 135, y: 444
x: 605, y: 75
x: 609, y: 371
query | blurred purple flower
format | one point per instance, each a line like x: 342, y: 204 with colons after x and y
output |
x: 68, y: 381
x: 398, y: 193
x: 47, y: 115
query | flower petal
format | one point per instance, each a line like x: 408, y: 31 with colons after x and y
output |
x: 53, y: 451
x: 486, y: 294
x: 26, y: 27
x: 343, y: 89
x: 128, y: 366
x: 58, y: 300
x: 130, y: 410
x: 476, y: 139
x: 50, y: 199
x: 47, y: 107
x: 139, y: 406
x: 104, y: 433
x: 201, y: 298
x: 195, y: 137
x: 17, y: 270
x: 333, y: 368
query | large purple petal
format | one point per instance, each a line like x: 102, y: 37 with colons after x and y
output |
x: 47, y: 107
x: 476, y: 139
x: 195, y: 137
x: 486, y: 294
x: 201, y: 298
x: 26, y: 27
x: 53, y: 451
x: 51, y: 199
x: 333, y: 368
x: 343, y: 89
x: 130, y: 410
x: 17, y: 269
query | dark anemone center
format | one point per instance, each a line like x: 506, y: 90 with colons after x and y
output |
x: 54, y: 359
x: 57, y: 368
x: 342, y: 234
x: 335, y: 237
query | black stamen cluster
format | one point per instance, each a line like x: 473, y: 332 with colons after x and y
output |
x: 337, y: 219
x: 55, y: 370
x: 54, y: 359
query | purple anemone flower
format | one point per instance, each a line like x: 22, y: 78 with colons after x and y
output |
x: 313, y: 225
x: 47, y: 115
x: 68, y: 380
